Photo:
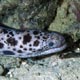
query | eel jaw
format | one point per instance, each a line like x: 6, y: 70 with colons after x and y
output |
x: 47, y: 52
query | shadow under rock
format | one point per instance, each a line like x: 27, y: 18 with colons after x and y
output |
x: 70, y: 52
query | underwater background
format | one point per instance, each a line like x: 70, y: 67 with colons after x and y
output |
x: 56, y: 15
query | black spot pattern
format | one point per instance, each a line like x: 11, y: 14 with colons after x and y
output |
x: 19, y: 51
x: 11, y: 33
x: 30, y: 49
x: 25, y: 49
x: 19, y: 37
x: 30, y: 45
x: 5, y: 31
x: 36, y: 43
x: 45, y: 37
x: 12, y: 41
x: 21, y: 46
x: 1, y: 38
x: 8, y: 53
x: 14, y: 49
x: 1, y: 45
x: 35, y: 32
x: 8, y: 35
x: 40, y: 34
x: 26, y: 38
x: 38, y: 37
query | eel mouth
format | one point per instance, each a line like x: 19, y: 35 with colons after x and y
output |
x: 54, y: 50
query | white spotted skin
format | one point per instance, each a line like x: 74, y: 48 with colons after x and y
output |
x: 35, y: 43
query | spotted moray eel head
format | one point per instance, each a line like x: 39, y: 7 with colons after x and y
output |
x: 30, y: 43
x: 56, y: 40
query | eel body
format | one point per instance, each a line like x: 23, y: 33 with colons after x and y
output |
x: 30, y: 42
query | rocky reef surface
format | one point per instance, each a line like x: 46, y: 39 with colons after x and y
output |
x: 59, y: 15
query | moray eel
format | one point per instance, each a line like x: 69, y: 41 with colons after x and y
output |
x: 30, y: 42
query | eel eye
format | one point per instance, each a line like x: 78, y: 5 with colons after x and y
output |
x: 51, y: 44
